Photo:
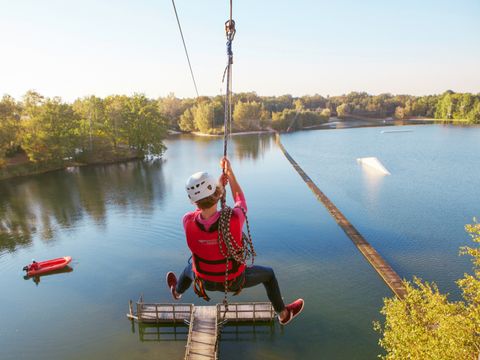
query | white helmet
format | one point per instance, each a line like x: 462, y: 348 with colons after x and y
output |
x: 200, y: 185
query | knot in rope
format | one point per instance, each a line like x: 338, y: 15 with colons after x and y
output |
x: 230, y: 29
x: 229, y: 49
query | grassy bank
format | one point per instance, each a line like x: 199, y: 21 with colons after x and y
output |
x: 21, y: 166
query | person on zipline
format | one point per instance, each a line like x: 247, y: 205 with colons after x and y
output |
x: 209, y: 265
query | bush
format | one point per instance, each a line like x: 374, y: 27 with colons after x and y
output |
x: 425, y: 325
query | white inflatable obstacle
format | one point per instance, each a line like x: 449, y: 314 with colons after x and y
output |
x: 395, y: 131
x: 373, y: 163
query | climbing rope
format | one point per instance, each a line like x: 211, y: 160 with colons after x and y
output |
x: 229, y: 248
x: 230, y: 32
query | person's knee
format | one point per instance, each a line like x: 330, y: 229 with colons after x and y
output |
x: 270, y: 274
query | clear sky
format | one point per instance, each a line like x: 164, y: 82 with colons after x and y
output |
x: 73, y: 48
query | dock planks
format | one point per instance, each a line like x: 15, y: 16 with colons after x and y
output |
x: 246, y: 312
x: 202, y: 337
x: 389, y: 276
x: 163, y: 313
x: 204, y: 321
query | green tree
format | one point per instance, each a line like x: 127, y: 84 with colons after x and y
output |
x: 247, y: 115
x: 187, y: 122
x: 325, y: 113
x: 426, y: 325
x: 281, y: 120
x: 464, y: 105
x: 172, y: 108
x: 218, y: 113
x: 91, y: 111
x: 146, y: 127
x: 343, y: 110
x: 10, y: 128
x: 400, y: 112
x: 474, y: 115
x: 299, y: 105
x: 116, y: 122
x: 32, y: 102
x: 203, y: 115
x: 308, y: 118
x: 445, y: 107
x: 51, y: 130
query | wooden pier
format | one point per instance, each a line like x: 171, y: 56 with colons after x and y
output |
x: 387, y: 273
x: 205, y: 322
x: 203, y: 334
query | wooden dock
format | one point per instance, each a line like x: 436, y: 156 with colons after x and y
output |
x: 205, y: 322
x: 391, y: 278
x: 203, y: 335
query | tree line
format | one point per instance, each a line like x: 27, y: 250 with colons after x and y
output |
x: 49, y: 129
x: 253, y: 112
x: 446, y: 106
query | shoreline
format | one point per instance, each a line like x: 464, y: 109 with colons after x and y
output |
x: 390, y: 119
x: 348, y: 122
x: 333, y: 124
x: 45, y: 168
x: 197, y: 133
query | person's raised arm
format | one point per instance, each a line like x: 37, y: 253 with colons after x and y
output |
x: 234, y: 185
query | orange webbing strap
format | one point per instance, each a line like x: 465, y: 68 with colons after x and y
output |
x: 199, y: 288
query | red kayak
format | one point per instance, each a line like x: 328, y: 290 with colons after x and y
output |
x: 42, y: 267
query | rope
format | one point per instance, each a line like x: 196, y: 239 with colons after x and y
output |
x: 230, y: 34
x: 231, y: 249
x: 185, y: 47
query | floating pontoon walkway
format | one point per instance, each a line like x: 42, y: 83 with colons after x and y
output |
x: 389, y: 275
x: 204, y: 322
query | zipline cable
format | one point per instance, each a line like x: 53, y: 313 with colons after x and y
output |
x: 185, y: 47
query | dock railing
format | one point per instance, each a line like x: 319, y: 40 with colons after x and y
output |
x: 246, y: 312
x: 158, y: 313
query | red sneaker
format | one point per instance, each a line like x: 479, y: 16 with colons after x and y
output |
x: 172, y: 284
x: 294, y: 309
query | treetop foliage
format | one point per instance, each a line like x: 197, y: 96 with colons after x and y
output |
x: 427, y: 325
x: 51, y: 130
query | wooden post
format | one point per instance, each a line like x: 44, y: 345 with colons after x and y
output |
x: 130, y: 307
x: 139, y: 312
x: 174, y: 318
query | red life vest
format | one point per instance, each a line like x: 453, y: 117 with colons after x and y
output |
x: 208, y: 262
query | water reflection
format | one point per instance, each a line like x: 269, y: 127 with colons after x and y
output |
x: 372, y: 180
x: 59, y: 200
x: 36, y: 279
x: 251, y: 147
x: 158, y: 333
x: 230, y: 332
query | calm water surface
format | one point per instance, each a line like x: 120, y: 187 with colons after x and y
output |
x: 122, y: 225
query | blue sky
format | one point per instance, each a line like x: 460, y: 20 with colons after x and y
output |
x: 72, y: 48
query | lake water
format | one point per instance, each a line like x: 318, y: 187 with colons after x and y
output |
x: 122, y: 225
